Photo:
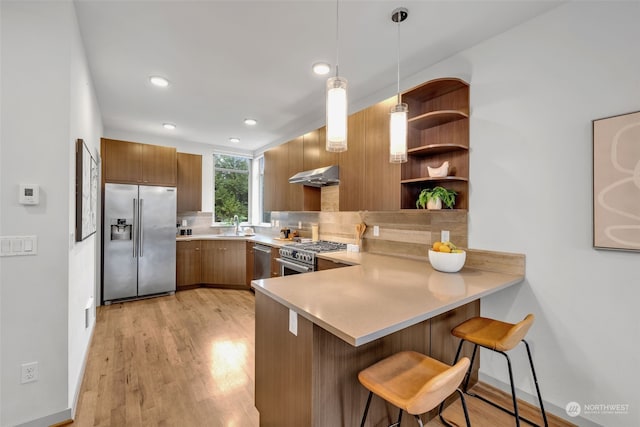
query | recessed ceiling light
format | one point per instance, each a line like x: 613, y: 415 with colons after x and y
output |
x: 234, y: 140
x: 250, y: 122
x: 169, y: 126
x: 159, y: 81
x: 321, y: 68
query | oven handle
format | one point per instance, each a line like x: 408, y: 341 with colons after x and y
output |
x: 294, y: 266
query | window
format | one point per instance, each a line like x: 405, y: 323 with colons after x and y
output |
x: 231, y: 187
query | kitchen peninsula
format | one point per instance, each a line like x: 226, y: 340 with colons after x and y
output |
x: 346, y: 319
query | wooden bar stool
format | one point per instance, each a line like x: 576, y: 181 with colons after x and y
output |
x: 499, y: 337
x: 414, y: 383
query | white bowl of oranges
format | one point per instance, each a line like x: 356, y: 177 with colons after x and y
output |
x: 446, y: 257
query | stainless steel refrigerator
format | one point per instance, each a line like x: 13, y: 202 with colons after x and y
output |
x: 139, y: 241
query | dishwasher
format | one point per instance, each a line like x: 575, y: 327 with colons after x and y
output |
x: 261, y: 262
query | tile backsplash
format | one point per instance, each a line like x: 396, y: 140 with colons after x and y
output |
x: 406, y: 232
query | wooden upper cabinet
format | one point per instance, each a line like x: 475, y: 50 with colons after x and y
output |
x: 382, y: 192
x: 352, y: 165
x: 295, y: 164
x: 121, y: 161
x: 189, y: 182
x: 159, y: 165
x: 127, y: 162
x: 276, y: 180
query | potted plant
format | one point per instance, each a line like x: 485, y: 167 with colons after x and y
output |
x: 434, y: 198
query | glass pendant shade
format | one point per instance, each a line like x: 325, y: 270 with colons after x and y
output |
x: 336, y: 114
x: 398, y: 133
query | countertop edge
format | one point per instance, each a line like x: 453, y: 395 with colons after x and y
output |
x: 361, y: 340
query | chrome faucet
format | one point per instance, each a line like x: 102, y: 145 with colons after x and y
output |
x: 236, y: 224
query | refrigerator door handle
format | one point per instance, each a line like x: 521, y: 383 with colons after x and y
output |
x: 135, y: 227
x: 141, y: 226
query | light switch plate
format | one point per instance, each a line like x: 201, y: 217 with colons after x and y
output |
x: 18, y: 245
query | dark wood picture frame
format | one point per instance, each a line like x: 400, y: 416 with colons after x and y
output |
x: 616, y: 182
x: 86, y: 192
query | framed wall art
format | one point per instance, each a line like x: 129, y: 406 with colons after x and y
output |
x: 616, y: 182
x: 86, y: 192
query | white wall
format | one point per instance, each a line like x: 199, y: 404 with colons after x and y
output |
x: 534, y: 92
x: 86, y: 124
x: 47, y: 102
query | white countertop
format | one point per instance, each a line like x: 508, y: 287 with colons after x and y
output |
x: 380, y: 295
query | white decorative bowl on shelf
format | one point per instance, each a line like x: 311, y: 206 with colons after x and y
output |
x: 447, y: 262
x: 440, y: 171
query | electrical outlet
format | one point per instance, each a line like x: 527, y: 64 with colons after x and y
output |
x: 28, y: 372
x: 444, y: 235
x: 299, y: 224
x: 376, y: 231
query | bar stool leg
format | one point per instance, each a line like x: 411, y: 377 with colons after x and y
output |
x: 419, y: 421
x: 468, y: 376
x: 464, y: 408
x: 535, y: 380
x: 397, y: 423
x: 513, y: 390
x: 366, y: 409
x: 458, y: 352
x: 513, y: 394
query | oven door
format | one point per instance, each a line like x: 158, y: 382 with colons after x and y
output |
x: 288, y: 268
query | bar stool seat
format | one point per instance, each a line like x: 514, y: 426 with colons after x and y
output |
x: 500, y: 337
x: 493, y: 334
x: 414, y: 383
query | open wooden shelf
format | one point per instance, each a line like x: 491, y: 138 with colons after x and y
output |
x: 429, y: 150
x: 437, y: 118
x: 438, y: 133
x: 434, y: 179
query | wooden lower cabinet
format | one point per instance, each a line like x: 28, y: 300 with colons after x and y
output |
x: 224, y: 263
x: 311, y: 379
x: 188, y: 264
x: 249, y: 260
x: 211, y: 262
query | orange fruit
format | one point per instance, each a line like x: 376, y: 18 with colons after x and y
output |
x: 445, y: 248
x: 436, y: 246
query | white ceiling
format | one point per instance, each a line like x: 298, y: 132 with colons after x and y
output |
x: 228, y: 60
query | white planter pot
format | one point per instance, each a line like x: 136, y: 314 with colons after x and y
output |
x: 434, y: 204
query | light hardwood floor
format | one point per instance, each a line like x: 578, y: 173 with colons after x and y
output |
x: 188, y: 360
x: 182, y: 360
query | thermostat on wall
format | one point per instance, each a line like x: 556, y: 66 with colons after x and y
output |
x: 29, y: 194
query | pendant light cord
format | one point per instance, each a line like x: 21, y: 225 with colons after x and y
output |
x: 398, y: 58
x: 337, y: 35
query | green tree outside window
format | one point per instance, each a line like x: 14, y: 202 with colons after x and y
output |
x: 231, y: 190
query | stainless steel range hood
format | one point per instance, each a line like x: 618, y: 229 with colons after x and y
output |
x: 320, y: 177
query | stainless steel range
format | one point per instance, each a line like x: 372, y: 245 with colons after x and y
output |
x: 301, y: 257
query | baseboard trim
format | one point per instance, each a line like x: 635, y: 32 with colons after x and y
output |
x: 58, y: 418
x: 76, y: 395
x: 533, y: 400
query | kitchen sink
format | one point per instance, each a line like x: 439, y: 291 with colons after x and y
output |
x: 230, y: 236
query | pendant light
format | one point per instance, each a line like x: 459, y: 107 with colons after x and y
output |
x: 336, y: 105
x: 399, y: 112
